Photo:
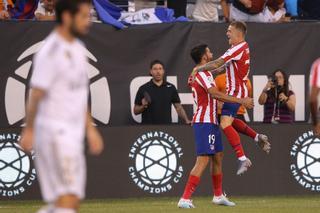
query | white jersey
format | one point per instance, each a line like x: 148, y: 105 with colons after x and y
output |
x: 60, y: 69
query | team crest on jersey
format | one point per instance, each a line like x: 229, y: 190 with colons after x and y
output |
x: 17, y: 172
x: 305, y: 161
x: 155, y: 162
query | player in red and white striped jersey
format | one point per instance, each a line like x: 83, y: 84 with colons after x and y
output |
x: 206, y: 111
x: 206, y: 129
x: 314, y: 94
x: 237, y: 60
x: 237, y: 64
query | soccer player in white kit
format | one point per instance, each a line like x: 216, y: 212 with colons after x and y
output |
x: 57, y: 117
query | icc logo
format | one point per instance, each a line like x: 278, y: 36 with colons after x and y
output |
x: 16, y: 167
x: 16, y: 89
x: 155, y: 160
x: 305, y: 161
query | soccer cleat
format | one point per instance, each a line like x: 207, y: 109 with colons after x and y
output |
x: 222, y: 200
x: 185, y: 204
x: 243, y: 166
x: 264, y: 143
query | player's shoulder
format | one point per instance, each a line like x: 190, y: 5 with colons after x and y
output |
x: 50, y: 48
x: 80, y: 45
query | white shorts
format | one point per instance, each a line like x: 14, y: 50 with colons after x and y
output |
x: 238, y: 15
x: 60, y: 162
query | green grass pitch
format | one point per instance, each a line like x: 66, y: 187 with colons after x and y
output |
x: 292, y: 204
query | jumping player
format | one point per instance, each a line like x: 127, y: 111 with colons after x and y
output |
x: 206, y: 129
x: 57, y: 117
x: 237, y: 64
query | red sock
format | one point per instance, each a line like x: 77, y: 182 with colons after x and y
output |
x: 234, y: 140
x: 243, y: 128
x: 191, y: 186
x: 217, y: 184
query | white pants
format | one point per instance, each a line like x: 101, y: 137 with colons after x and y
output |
x: 237, y: 15
x: 60, y: 162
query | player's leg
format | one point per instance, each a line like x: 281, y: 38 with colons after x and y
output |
x: 44, y: 165
x: 228, y: 113
x: 261, y: 139
x: 70, y: 171
x: 216, y: 175
x: 216, y: 169
x: 203, y: 149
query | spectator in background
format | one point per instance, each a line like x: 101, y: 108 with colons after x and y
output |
x: 246, y: 10
x: 275, y: 12
x: 292, y: 7
x: 45, y: 10
x: 5, y: 5
x: 309, y: 9
x: 154, y: 99
x: 206, y: 10
x: 23, y: 9
x: 221, y: 85
x: 225, y: 6
x: 278, y: 100
x: 179, y: 7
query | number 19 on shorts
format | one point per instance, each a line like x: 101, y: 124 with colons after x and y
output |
x: 212, y: 139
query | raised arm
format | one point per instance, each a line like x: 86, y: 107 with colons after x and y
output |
x: 211, y: 66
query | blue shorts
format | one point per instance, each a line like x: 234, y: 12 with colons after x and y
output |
x: 230, y: 109
x: 208, y: 138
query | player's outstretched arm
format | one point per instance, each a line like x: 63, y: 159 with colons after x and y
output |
x: 246, y: 102
x: 314, y: 108
x: 212, y: 66
x: 35, y: 97
x: 94, y: 138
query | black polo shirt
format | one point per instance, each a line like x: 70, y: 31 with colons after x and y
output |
x: 162, y: 97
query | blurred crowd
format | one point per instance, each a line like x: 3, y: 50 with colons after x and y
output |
x: 196, y: 10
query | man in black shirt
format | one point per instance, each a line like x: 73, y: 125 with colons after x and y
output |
x: 154, y: 99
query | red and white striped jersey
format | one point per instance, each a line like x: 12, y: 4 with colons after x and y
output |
x: 205, y: 106
x: 237, y: 60
x: 315, y: 74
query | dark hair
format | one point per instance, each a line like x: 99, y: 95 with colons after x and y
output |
x: 154, y: 62
x: 71, y: 6
x: 197, y: 52
x: 239, y: 25
x: 285, y: 87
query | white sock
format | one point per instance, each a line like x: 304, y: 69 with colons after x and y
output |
x: 256, y: 139
x: 63, y: 210
x: 243, y: 158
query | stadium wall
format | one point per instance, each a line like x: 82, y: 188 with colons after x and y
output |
x: 120, y: 60
x: 142, y: 161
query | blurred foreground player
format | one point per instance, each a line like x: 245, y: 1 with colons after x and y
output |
x: 237, y: 62
x: 314, y: 95
x: 206, y: 129
x: 57, y: 117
